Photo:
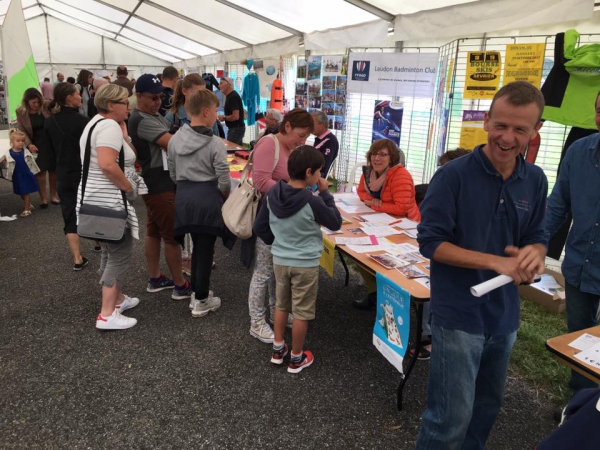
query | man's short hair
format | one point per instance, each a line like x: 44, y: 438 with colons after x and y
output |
x: 99, y: 82
x: 520, y: 93
x: 170, y: 73
x: 46, y: 79
x: 320, y: 116
x: 453, y: 154
x: 200, y: 100
x: 304, y: 157
x: 276, y: 114
x: 122, y: 71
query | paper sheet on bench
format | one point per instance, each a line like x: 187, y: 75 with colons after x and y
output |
x: 407, y: 224
x: 379, y: 231
x: 585, y: 341
x: 368, y: 240
x: 354, y: 209
x: 365, y: 248
x: 590, y: 356
x: 379, y: 219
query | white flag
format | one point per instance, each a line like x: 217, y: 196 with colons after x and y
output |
x: 19, y: 67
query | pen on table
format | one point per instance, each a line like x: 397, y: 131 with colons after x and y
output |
x: 395, y: 222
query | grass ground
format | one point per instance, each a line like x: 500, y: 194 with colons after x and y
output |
x: 532, y: 361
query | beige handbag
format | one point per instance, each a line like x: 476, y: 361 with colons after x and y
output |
x: 240, y: 209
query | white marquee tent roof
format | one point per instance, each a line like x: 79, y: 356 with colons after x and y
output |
x: 154, y: 32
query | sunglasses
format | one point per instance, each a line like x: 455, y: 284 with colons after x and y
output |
x: 154, y: 98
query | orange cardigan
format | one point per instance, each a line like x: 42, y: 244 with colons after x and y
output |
x: 397, y: 194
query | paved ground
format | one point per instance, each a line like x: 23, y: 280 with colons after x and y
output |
x: 178, y: 382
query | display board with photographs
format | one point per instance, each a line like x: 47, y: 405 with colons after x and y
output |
x: 321, y: 85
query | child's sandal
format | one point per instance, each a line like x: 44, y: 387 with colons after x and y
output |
x: 25, y: 214
x: 31, y: 207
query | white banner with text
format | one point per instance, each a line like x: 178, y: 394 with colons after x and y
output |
x: 394, y: 74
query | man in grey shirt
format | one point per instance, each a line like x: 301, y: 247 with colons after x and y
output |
x: 149, y: 132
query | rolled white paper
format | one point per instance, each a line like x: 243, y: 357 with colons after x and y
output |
x: 487, y: 286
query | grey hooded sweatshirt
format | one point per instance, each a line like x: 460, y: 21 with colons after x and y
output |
x: 194, y: 154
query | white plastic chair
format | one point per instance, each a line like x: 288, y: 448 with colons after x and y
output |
x: 350, y: 185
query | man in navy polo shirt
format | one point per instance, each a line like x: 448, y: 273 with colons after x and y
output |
x: 482, y: 216
x: 576, y: 190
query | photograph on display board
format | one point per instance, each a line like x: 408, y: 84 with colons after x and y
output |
x: 387, y: 120
x: 301, y: 70
x: 314, y: 67
x: 338, y: 109
x: 314, y: 102
x: 301, y: 101
x: 339, y: 123
x: 301, y: 88
x: 344, y: 65
x: 341, y: 83
x: 340, y: 96
x: 258, y: 64
x: 328, y: 82
x: 329, y: 108
x: 329, y: 95
x: 314, y: 88
x: 331, y: 122
x: 332, y: 65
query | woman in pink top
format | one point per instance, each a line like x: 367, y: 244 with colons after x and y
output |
x: 270, y: 158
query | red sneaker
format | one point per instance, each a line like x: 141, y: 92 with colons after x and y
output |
x: 307, y: 360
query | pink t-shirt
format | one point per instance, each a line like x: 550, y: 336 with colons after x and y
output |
x: 263, y: 174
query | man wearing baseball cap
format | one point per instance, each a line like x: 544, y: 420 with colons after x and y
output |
x: 234, y: 111
x: 149, y: 132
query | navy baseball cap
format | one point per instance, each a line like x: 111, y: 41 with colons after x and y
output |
x: 148, y: 83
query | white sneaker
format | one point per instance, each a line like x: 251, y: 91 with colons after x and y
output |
x: 203, y: 307
x: 193, y: 300
x: 263, y: 332
x: 115, y: 321
x: 290, y: 319
x: 128, y: 303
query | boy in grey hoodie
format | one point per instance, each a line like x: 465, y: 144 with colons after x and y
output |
x: 291, y: 222
x: 197, y: 162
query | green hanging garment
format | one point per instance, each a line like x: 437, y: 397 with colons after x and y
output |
x: 573, y: 83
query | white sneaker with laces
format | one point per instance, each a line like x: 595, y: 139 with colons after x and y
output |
x: 290, y: 319
x: 263, y: 332
x: 115, y: 321
x: 128, y: 303
x: 193, y: 300
x: 203, y: 307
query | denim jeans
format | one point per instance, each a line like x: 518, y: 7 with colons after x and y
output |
x: 236, y: 135
x: 467, y: 375
x: 582, y: 309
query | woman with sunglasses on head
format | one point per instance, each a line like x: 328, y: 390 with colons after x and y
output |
x: 31, y: 116
x: 85, y: 84
x: 387, y: 187
x: 270, y: 158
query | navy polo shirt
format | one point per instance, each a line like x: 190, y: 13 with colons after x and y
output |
x: 468, y: 204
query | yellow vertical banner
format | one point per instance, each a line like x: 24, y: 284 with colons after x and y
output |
x: 449, y: 75
x: 524, y: 62
x: 483, y: 75
x: 328, y: 256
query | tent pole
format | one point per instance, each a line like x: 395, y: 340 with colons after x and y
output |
x: 103, y: 59
x: 49, y: 50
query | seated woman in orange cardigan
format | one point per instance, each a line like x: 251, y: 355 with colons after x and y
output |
x: 387, y: 187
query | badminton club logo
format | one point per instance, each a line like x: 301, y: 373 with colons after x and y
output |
x: 360, y: 70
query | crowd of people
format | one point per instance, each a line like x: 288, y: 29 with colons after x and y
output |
x: 484, y: 213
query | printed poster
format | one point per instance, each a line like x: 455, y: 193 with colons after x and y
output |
x: 301, y: 69
x: 450, y: 76
x: 393, y: 74
x: 328, y: 256
x: 524, y: 62
x: 483, y: 75
x: 472, y: 133
x: 266, y: 75
x: 314, y: 67
x: 387, y: 121
x: 332, y: 65
x: 392, y: 321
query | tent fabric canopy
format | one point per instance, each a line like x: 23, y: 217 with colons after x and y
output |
x: 172, y: 31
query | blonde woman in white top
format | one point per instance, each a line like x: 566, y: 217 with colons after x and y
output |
x: 105, y: 182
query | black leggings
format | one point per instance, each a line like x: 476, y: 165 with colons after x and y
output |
x: 202, y: 258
